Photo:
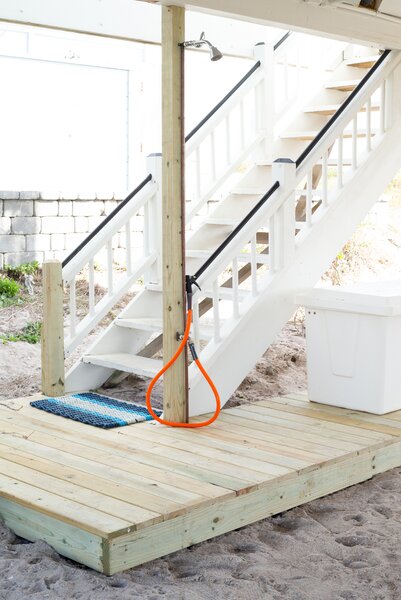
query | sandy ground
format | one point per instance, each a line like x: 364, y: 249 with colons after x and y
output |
x: 346, y: 546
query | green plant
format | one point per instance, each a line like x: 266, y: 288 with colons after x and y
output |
x: 8, y: 287
x: 30, y: 333
x: 25, y: 269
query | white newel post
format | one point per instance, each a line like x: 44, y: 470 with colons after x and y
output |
x: 154, y: 166
x: 284, y: 171
x: 265, y: 101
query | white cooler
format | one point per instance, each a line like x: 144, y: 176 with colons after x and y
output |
x: 353, y: 339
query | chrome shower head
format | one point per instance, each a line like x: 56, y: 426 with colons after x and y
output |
x: 215, y: 53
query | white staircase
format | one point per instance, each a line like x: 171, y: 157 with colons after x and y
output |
x: 341, y: 148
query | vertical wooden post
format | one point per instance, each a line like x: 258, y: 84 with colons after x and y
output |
x: 52, y: 330
x: 175, y: 402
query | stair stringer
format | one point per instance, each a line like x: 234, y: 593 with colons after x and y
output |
x: 229, y: 361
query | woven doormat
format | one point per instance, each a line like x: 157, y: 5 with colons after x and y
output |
x: 96, y: 410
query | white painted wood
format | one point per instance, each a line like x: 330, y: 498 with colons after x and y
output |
x: 91, y: 285
x: 236, y: 309
x: 354, y: 143
x: 324, y: 180
x: 308, y: 207
x: 147, y: 367
x: 73, y: 307
x: 110, y: 277
x: 340, y: 147
x: 129, y: 20
x: 382, y: 106
x: 155, y: 324
x: 368, y: 125
x: 216, y: 311
x: 128, y: 248
x: 254, y: 273
x: 360, y: 26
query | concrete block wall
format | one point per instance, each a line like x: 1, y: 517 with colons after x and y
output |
x: 39, y: 226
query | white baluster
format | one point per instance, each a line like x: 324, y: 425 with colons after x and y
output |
x: 369, y: 125
x: 388, y: 104
x: 308, y: 207
x: 340, y: 162
x: 272, y: 244
x: 228, y: 140
x: 324, y: 179
x: 382, y: 106
x: 254, y: 268
x: 128, y: 249
x: 236, y: 311
x: 198, y: 173
x: 286, y: 87
x: 216, y: 311
x: 242, y: 124
x: 91, y: 287
x: 73, y: 307
x: 110, y: 268
x: 146, y: 228
x: 355, y: 143
x: 213, y: 156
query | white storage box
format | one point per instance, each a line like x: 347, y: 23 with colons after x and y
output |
x: 353, y: 338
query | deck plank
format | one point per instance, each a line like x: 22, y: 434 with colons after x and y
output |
x: 145, y: 501
x: 117, y: 498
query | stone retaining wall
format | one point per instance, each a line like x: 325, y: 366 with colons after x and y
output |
x: 36, y: 226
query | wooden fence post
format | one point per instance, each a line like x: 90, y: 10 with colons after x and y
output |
x: 52, y: 330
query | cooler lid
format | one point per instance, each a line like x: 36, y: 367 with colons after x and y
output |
x: 374, y: 298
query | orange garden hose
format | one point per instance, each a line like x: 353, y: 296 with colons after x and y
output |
x: 202, y: 370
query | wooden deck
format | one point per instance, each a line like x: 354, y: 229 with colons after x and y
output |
x: 115, y: 499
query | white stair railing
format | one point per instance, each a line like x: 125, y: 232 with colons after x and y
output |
x: 241, y: 123
x: 93, y: 262
x: 352, y: 130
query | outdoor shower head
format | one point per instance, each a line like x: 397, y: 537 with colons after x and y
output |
x: 215, y: 53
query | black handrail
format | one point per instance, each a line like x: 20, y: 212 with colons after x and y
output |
x: 233, y: 90
x: 281, y: 40
x: 343, y: 106
x: 106, y: 220
x: 235, y: 231
x: 222, y: 101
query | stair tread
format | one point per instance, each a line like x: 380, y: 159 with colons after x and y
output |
x: 310, y: 135
x: 363, y: 62
x: 330, y: 109
x: 346, y: 85
x: 250, y: 191
x: 155, y: 324
x: 129, y: 363
x: 221, y: 221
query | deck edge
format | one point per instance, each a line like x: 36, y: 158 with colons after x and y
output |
x: 130, y: 550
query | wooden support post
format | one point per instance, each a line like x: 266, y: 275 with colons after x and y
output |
x: 52, y: 330
x: 175, y: 402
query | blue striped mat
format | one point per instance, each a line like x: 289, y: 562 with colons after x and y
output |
x: 95, y: 409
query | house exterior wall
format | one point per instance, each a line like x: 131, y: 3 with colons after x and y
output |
x: 39, y: 226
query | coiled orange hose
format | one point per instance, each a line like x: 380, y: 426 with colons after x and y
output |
x: 202, y: 370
